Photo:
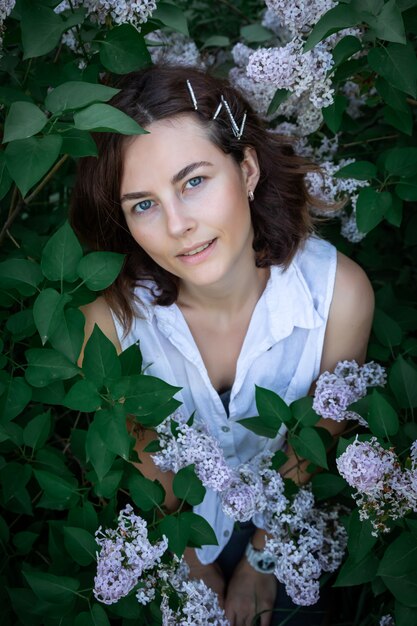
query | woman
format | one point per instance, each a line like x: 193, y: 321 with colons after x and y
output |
x: 224, y: 285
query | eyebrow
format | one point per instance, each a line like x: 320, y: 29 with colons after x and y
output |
x: 136, y: 195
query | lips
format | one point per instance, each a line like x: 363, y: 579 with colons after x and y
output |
x: 192, y: 250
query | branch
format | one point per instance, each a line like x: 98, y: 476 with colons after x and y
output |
x: 25, y: 201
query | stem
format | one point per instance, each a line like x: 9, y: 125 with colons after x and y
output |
x: 24, y: 202
x: 359, y: 143
x: 235, y: 10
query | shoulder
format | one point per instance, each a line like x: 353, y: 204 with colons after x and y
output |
x: 98, y: 313
x: 350, y: 315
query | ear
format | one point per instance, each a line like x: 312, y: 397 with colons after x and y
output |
x: 250, y: 168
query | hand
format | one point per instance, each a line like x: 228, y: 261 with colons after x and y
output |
x: 250, y: 592
x: 211, y: 574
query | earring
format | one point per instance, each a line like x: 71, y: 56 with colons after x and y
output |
x: 251, y: 195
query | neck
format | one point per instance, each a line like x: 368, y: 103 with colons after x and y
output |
x: 228, y: 298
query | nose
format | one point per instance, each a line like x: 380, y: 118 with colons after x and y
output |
x: 179, y: 219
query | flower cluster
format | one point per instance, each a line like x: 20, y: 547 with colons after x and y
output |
x: 6, y: 7
x: 173, y: 49
x: 347, y: 384
x: 125, y: 554
x: 127, y: 560
x: 383, y: 489
x: 118, y: 11
x: 386, y: 620
x: 305, y: 540
x: 301, y: 15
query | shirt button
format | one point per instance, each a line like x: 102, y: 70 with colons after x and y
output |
x: 225, y: 429
x: 226, y: 533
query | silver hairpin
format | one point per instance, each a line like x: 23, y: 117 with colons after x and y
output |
x: 238, y: 132
x: 192, y: 95
x: 219, y: 108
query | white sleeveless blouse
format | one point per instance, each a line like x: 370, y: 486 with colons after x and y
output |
x: 281, y: 351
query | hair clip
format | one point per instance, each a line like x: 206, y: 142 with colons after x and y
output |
x: 192, y: 95
x: 238, y: 132
x: 219, y: 108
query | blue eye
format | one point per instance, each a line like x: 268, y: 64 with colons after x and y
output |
x: 194, y: 182
x: 142, y: 206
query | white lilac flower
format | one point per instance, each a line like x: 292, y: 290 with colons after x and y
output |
x: 413, y: 455
x: 6, y: 7
x: 330, y: 189
x: 125, y: 554
x: 373, y: 374
x: 386, y: 620
x: 173, y: 49
x: 365, y: 465
x: 349, y: 227
x: 119, y: 11
x: 299, y: 16
x: 239, y: 502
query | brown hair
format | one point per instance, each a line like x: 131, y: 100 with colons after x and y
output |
x: 280, y: 215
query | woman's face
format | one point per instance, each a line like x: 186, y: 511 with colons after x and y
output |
x: 186, y: 204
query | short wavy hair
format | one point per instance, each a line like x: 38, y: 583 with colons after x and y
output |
x: 280, y: 211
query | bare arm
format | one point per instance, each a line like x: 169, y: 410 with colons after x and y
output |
x: 98, y: 312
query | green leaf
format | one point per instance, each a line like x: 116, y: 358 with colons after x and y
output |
x: 61, y: 492
x: 145, y: 493
x: 398, y: 568
x: 405, y: 615
x: 20, y: 274
x: 356, y: 572
x: 124, y: 50
x: 342, y: 16
x: 5, y: 179
x: 100, y: 457
x: 29, y: 159
x: 360, y: 170
x: 333, y: 114
x: 131, y: 360
x: 187, y: 486
x: 260, y: 426
x: 36, y: 432
x: 111, y: 426
x: 216, y: 41
x: 59, y: 590
x: 61, y: 255
x: 15, y: 397
x: 303, y: 412
x: 97, y: 616
x: 99, y: 269
x: 345, y: 49
x: 14, y: 477
x: 46, y: 366
x: 23, y: 120
x: 78, y: 143
x: 48, y: 311
x: 170, y: 15
x: 77, y: 95
x: 279, y: 97
x: 309, y: 445
x: 361, y: 541
x: 382, y: 418
x: 393, y: 97
x: 387, y: 330
x: 389, y: 24
x: 200, y: 533
x: 402, y: 120
x: 402, y: 162
x: 105, y: 118
x: 41, y: 28
x: 327, y: 485
x: 406, y: 191
x: 100, y: 358
x: 21, y: 324
x: 80, y: 544
x: 371, y: 208
x: 395, y: 214
x: 143, y: 394
x: 256, y: 33
x: 403, y: 382
x: 396, y: 63
x: 176, y: 531
x: 69, y: 335
x: 24, y: 541
x: 83, y: 396
x: 273, y: 411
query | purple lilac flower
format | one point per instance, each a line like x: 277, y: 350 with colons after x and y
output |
x: 365, y: 464
x: 125, y: 553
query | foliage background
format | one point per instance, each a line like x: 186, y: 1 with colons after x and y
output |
x: 64, y: 469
